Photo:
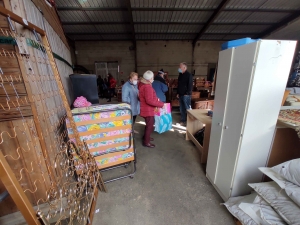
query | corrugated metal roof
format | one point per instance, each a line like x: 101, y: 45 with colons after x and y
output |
x: 232, y: 17
x: 151, y: 28
x: 203, y: 4
x: 114, y: 28
x: 200, y: 17
x: 282, y: 4
x: 184, y: 28
x: 106, y: 16
x: 234, y: 37
x: 247, y: 4
x: 71, y: 16
x: 85, y: 37
x: 212, y: 37
x: 155, y: 3
x: 290, y: 32
x: 250, y: 28
x: 153, y: 16
x: 167, y: 28
x: 261, y: 17
x: 220, y: 28
x: 79, y: 28
x: 116, y: 36
x: 102, y: 3
x: 66, y: 3
x: 263, y: 4
x: 165, y: 36
x: 170, y: 22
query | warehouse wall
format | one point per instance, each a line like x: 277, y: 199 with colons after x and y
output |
x: 152, y: 55
x: 88, y: 52
x: 155, y: 55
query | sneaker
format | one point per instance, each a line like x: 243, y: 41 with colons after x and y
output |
x: 183, y: 124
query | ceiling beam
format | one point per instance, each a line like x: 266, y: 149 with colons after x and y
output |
x: 166, y: 23
x: 146, y: 33
x: 150, y: 39
x: 280, y: 25
x: 128, y: 3
x: 173, y: 9
x: 221, y: 6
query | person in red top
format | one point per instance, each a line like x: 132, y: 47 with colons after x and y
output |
x: 112, y: 86
x: 148, y: 102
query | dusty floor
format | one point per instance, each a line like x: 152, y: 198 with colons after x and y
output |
x: 169, y: 186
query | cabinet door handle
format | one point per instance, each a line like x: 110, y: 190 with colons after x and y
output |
x: 220, y: 124
x: 226, y: 127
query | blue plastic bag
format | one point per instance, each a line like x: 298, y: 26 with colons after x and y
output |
x: 163, y: 123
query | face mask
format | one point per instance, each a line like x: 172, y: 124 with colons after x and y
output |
x: 134, y: 82
x: 179, y: 70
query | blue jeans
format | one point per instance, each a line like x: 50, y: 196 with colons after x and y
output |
x: 185, y: 104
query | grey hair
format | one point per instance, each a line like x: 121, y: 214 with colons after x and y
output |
x: 184, y: 63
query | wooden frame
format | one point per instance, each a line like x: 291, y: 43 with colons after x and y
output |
x: 6, y: 174
x: 196, y: 120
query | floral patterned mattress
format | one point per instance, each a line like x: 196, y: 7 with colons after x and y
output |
x: 291, y: 116
x: 107, y: 131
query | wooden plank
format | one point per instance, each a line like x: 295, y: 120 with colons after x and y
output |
x: 18, y: 219
x: 7, y: 206
x: 105, y: 147
x: 193, y: 139
x: 113, y: 154
x: 3, y: 20
x: 15, y: 113
x: 100, y: 167
x: 93, y: 207
x: 10, y: 149
x: 18, y: 19
x: 9, y: 89
x: 34, y: 161
x: 102, y: 130
x: 61, y: 90
x: 8, y: 62
x: 106, y: 138
x: 38, y: 119
x: 13, y: 187
x: 285, y: 146
x: 26, y: 157
x: 102, y: 120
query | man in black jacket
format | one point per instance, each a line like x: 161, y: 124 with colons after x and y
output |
x: 184, y: 91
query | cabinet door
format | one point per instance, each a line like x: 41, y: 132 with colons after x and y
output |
x: 268, y: 84
x: 224, y: 70
x: 237, y: 98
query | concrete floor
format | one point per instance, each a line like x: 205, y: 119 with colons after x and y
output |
x: 169, y: 187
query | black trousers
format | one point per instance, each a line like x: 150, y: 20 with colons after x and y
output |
x: 133, y: 120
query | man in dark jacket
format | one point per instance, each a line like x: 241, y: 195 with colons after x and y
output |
x: 160, y: 86
x: 184, y: 91
x: 160, y: 76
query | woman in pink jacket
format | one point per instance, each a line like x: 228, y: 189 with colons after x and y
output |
x: 148, y: 102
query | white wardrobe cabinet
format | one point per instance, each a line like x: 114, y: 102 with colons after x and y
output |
x: 250, y: 86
